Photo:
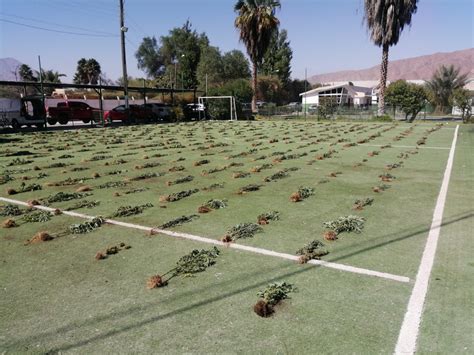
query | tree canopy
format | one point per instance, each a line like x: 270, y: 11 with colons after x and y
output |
x: 442, y: 85
x: 87, y: 72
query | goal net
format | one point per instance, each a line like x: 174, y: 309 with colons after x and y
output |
x: 228, y: 102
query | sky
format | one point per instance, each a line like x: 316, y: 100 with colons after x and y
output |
x: 325, y: 35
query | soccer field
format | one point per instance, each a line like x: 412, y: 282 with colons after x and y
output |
x: 57, y: 297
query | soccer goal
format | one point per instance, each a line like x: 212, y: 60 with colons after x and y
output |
x: 232, y: 106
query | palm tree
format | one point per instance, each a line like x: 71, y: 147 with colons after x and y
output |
x: 257, y: 24
x: 442, y: 85
x: 25, y: 73
x: 385, y: 21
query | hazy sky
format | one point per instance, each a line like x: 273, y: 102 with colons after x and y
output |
x: 325, y: 35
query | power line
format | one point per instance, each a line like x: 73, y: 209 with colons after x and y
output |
x: 55, y: 24
x: 58, y: 31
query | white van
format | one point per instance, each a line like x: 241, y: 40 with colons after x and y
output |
x: 27, y: 111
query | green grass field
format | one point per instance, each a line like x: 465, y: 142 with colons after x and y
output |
x: 56, y: 297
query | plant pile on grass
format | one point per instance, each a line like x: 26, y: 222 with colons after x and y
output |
x: 393, y: 166
x: 213, y: 187
x: 177, y: 196
x: 176, y: 168
x: 113, y: 184
x: 240, y: 174
x: 101, y: 255
x: 277, y: 176
x: 312, y: 250
x: 148, y: 165
x: 68, y: 182
x: 145, y: 176
x: 10, y: 210
x: 213, y: 204
x: 9, y: 223
x: 249, y: 188
x: 241, y: 230
x: 4, y: 178
x: 258, y: 168
x: 387, y: 177
x: 201, y: 162
x: 360, y: 204
x: 125, y: 211
x: 188, y: 265
x: 133, y: 191
x: 188, y: 178
x: 301, y: 194
x: 266, y: 217
x: 39, y: 238
x: 373, y: 153
x: 179, y: 221
x: 19, y: 161
x: 64, y: 196
x: 345, y: 224
x: 83, y: 204
x: 380, y: 188
x: 37, y: 216
x: 56, y: 165
x: 87, y: 227
x: 213, y: 171
x: 271, y: 296
x: 24, y: 188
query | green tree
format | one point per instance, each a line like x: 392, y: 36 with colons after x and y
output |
x: 462, y: 98
x: 277, y: 58
x: 295, y: 88
x: 210, y: 69
x: 235, y: 65
x: 25, y: 73
x: 271, y: 89
x: 442, y: 85
x: 149, y: 59
x: 408, y: 97
x: 257, y: 23
x: 385, y: 21
x: 87, y: 71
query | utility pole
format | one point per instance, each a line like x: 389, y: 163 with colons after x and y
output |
x: 304, y: 97
x: 41, y: 85
x: 123, y: 29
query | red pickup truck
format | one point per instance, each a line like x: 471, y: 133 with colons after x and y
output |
x: 71, y: 111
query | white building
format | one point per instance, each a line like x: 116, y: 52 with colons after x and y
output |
x: 342, y: 94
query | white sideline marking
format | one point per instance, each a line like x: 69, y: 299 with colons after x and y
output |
x: 406, y: 343
x: 327, y: 264
x: 404, y: 146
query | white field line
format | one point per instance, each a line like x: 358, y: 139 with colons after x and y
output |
x: 196, y: 238
x: 405, y: 146
x: 407, y: 338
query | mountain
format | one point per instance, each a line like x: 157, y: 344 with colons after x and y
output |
x: 417, y: 68
x: 8, y: 68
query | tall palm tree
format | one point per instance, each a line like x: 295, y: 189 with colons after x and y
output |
x: 257, y: 23
x: 385, y: 21
x: 443, y: 83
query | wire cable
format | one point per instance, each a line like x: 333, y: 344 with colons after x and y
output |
x: 54, y: 24
x: 57, y: 31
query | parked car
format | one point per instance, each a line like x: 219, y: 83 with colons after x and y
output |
x: 195, y: 112
x: 71, y: 111
x: 134, y: 113
x: 161, y: 112
x: 27, y: 111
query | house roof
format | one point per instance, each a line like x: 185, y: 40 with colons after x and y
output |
x: 353, y: 90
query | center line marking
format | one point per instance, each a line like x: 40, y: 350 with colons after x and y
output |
x: 331, y: 265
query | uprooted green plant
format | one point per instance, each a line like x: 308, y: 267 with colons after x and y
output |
x: 86, y: 227
x: 266, y: 217
x: 125, y: 211
x: 179, y: 221
x: 346, y: 224
x: 313, y: 250
x: 194, y: 262
x: 241, y: 230
x: 271, y: 296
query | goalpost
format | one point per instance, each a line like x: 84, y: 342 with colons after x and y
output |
x: 232, y: 106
